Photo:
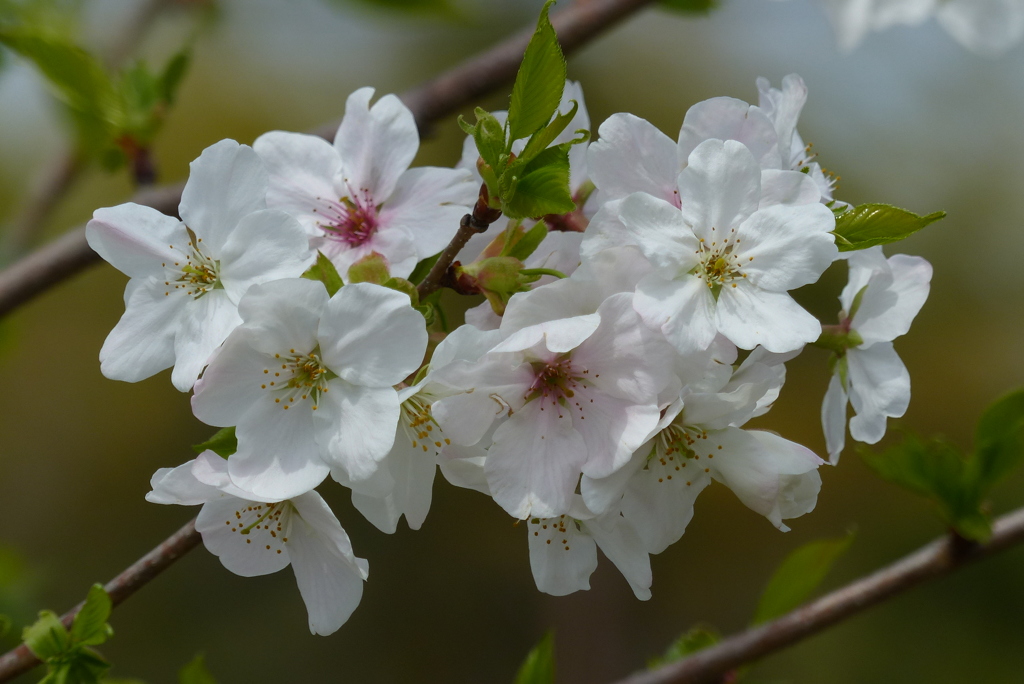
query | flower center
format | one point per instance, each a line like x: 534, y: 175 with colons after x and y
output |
x: 673, y: 451
x: 557, y: 384
x: 350, y: 221
x: 261, y: 525
x: 198, y: 274
x: 718, y: 264
x: 558, y: 531
x: 421, y: 428
x: 300, y: 378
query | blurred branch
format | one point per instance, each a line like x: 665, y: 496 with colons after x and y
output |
x: 578, y: 23
x: 939, y: 558
x: 21, y: 659
x: 67, y: 168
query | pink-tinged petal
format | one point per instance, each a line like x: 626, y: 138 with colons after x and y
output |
x: 879, y: 389
x: 284, y: 314
x: 428, y: 203
x: 659, y: 230
x: 397, y: 245
x: 206, y: 324
x: 658, y: 501
x: 604, y: 231
x: 534, y: 464
x: 370, y: 335
x: 988, y: 27
x: 142, y: 342
x: 562, y: 557
x: 376, y: 144
x: 277, y: 457
x: 136, y: 240
x: 602, y: 494
x: 622, y: 545
x: 632, y: 155
x: 833, y: 418
x: 179, y: 486
x: 266, y: 245
x: 230, y: 532
x: 301, y: 169
x: 491, y: 388
x: 612, y: 430
x: 234, y: 380
x: 227, y: 182
x: 719, y: 188
x: 557, y: 336
x: 465, y: 343
x: 886, y: 313
x: 726, y: 118
x: 786, y: 247
x: 329, y: 576
x: 749, y: 317
x: 355, y: 427
x: 482, y: 317
x: 684, y: 310
x: 787, y: 187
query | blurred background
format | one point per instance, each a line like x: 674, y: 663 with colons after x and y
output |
x: 910, y: 118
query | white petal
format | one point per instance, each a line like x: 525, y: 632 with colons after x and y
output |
x: 561, y: 556
x: 142, y: 342
x: 879, y: 388
x: 749, y: 316
x: 684, y: 310
x: 206, y: 324
x: 719, y: 188
x: 786, y: 247
x: 376, y: 143
x: 783, y: 107
x: 412, y: 476
x: 494, y: 386
x: 233, y: 381
x: 301, y: 169
x: 230, y: 532
x: 888, y: 308
x: 370, y: 335
x: 284, y: 314
x: 833, y: 418
x: 601, y: 494
x: 787, y: 187
x: 726, y: 118
x: 428, y: 202
x: 632, y: 155
x: 464, y: 467
x: 482, y: 317
x: 179, y: 486
x: 658, y: 228
x: 136, y: 240
x: 266, y: 245
x: 227, y: 182
x: 355, y: 426
x: 557, y: 336
x: 622, y: 545
x: 658, y: 501
x: 465, y: 343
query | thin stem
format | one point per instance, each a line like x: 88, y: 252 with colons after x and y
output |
x: 576, y: 25
x: 939, y: 558
x: 21, y: 659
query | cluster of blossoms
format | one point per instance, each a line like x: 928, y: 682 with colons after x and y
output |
x: 605, y: 382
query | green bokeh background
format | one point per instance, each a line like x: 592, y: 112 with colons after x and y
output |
x: 910, y: 118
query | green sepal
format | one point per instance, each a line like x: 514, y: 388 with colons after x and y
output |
x: 521, y: 244
x: 539, y: 666
x: 540, y: 140
x: 697, y: 639
x: 90, y: 626
x: 223, y: 443
x: 877, y: 224
x: 403, y: 285
x: 324, y: 271
x: 798, y: 576
x: 538, y: 187
x: 47, y: 637
x: 837, y: 340
x: 195, y: 672
x: 372, y: 268
x: 539, y: 82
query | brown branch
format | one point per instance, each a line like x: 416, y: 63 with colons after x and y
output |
x: 939, y: 558
x: 21, y: 659
x: 577, y: 24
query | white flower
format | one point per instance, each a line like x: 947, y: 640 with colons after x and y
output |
x: 580, y: 394
x: 879, y: 303
x: 255, y: 537
x: 308, y: 381
x: 188, y: 276
x: 359, y: 195
x: 724, y: 261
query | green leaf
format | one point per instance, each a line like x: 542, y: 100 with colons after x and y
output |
x: 878, y: 224
x: 489, y: 135
x: 324, y: 271
x: 690, y: 6
x: 539, y: 187
x: 697, y: 639
x: 173, y: 74
x: 539, y: 666
x: 47, y: 637
x: 90, y: 627
x: 223, y: 443
x: 798, y: 576
x: 545, y: 136
x: 999, y: 440
x: 527, y: 244
x: 195, y: 672
x: 84, y: 666
x: 539, y: 83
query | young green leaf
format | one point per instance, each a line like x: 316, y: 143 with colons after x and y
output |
x: 172, y: 76
x: 999, y: 440
x: 489, y: 136
x: 423, y: 268
x: 195, y: 672
x: 798, y: 576
x: 539, y: 666
x: 324, y: 271
x: 697, y: 639
x: 878, y: 224
x: 539, y: 83
x: 538, y: 187
x: 223, y: 443
x: 90, y: 627
x: 540, y: 140
x: 47, y: 637
x: 527, y: 243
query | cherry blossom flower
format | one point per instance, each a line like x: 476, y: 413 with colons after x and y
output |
x: 879, y: 303
x: 359, y: 195
x: 188, y: 276
x: 253, y: 537
x: 307, y: 381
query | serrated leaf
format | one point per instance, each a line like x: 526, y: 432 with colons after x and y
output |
x: 90, y: 626
x: 539, y: 82
x: 47, y: 637
x: 999, y: 440
x: 877, y: 224
x: 195, y: 672
x: 798, y: 576
x: 545, y: 136
x: 697, y: 639
x: 223, y: 443
x: 324, y: 271
x: 690, y: 6
x: 542, y: 188
x: 539, y: 666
